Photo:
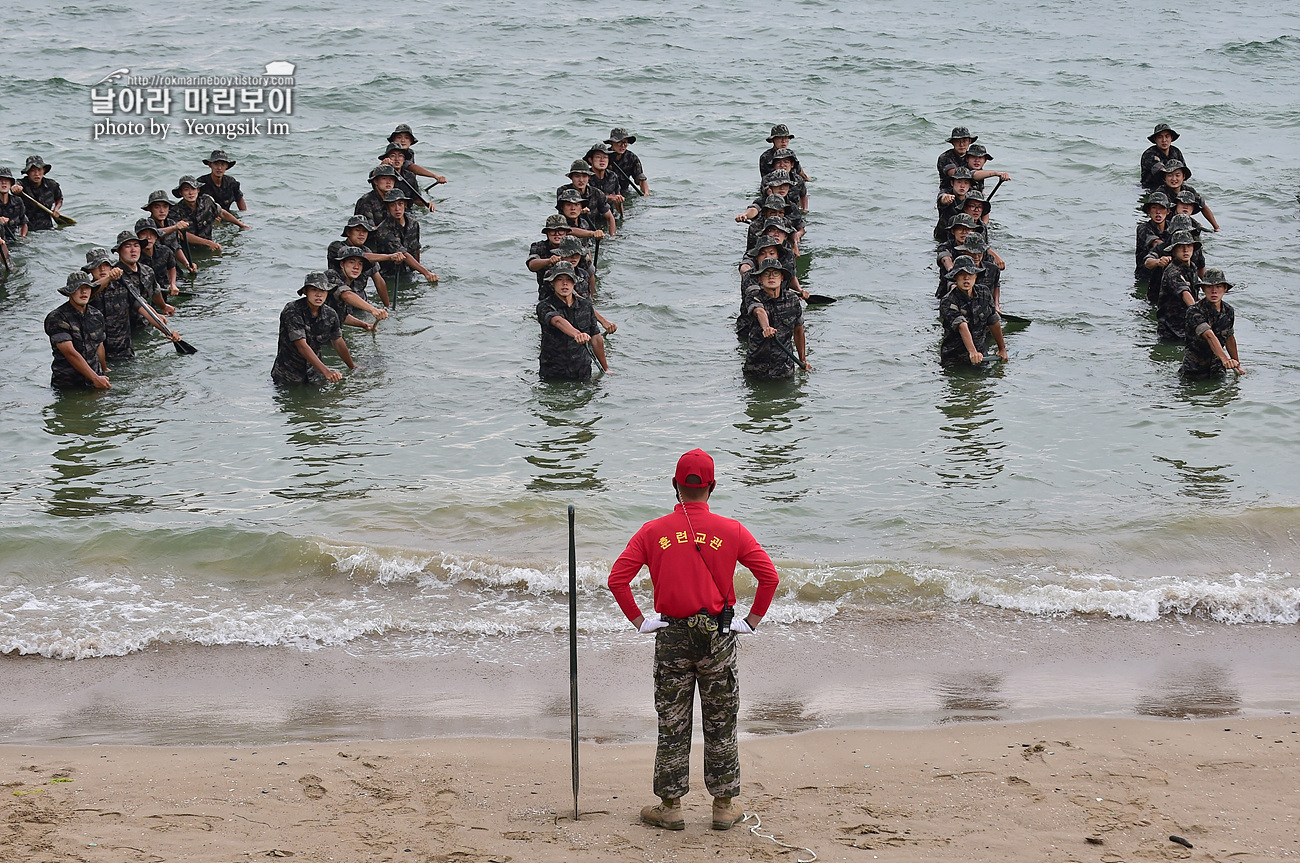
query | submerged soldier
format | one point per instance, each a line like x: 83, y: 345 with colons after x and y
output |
x: 217, y: 185
x: 158, y: 257
x: 692, y: 556
x: 404, y: 137
x: 568, y: 325
x: 400, y: 157
x: 41, y: 189
x: 1175, y: 175
x: 13, y: 213
x: 357, y: 233
x: 371, y: 204
x: 593, y: 200
x: 977, y: 156
x: 778, y: 326
x: 603, y: 177
x: 625, y: 163
x: 544, y: 254
x: 170, y: 231
x: 1211, y: 340
x: 1178, y: 288
x: 307, y: 325
x: 201, y: 212
x: 968, y: 317
x: 780, y: 138
x: 1162, y: 150
x: 348, y: 279
x: 76, y: 332
x: 955, y: 156
x: 1151, y: 236
x: 398, y: 236
x: 116, y: 298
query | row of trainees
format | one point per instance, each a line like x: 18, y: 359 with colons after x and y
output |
x: 379, y: 244
x: 770, y: 319
x: 1165, y: 169
x: 564, y: 261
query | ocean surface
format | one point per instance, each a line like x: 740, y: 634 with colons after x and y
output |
x: 418, y: 507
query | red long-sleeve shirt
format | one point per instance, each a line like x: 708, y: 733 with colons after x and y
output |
x: 683, y: 584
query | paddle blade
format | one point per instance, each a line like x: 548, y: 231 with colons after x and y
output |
x: 65, y: 220
x: 1015, y: 319
x: 184, y: 347
x: 820, y: 300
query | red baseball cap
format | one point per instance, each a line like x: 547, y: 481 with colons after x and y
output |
x: 695, y: 469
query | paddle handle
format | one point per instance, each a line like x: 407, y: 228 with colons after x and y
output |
x: 58, y: 217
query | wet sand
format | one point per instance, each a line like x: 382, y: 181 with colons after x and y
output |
x: 863, y: 669
x: 1068, y: 790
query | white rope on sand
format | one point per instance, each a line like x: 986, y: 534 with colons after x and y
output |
x: 758, y: 822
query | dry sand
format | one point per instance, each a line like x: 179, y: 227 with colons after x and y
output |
x: 979, y: 791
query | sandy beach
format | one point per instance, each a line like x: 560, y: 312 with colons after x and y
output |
x: 1069, y: 790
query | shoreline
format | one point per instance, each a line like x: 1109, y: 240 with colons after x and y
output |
x: 1041, y: 790
x: 864, y: 669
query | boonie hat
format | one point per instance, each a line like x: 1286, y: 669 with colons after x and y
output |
x: 1214, y: 276
x: 962, y: 220
x: 963, y: 264
x: 219, y: 156
x: 695, y: 468
x: 75, y: 280
x: 158, y: 196
x: 975, y: 244
x: 962, y: 174
x: 357, y: 221
x: 774, y: 202
x: 187, y: 180
x: 563, y: 268
x: 402, y: 127
x: 600, y: 147
x: 1162, y: 127
x: 6, y: 174
x: 777, y: 221
x: 123, y: 238
x: 765, y: 243
x: 1186, y: 196
x: 395, y: 195
x: 320, y: 281
x: 1182, y: 238
x: 396, y: 148
x: 959, y: 132
x: 570, y: 245
x: 95, y: 257
x: 1157, y: 198
x: 770, y: 265
x: 346, y: 252
x: 1184, y: 222
x: 147, y: 225
x: 384, y: 170
x: 37, y: 162
x: 777, y: 178
x: 1173, y: 165
x: 617, y: 134
x: 780, y: 130
x: 569, y: 196
x: 580, y: 166
x: 783, y: 153
x: 555, y: 223
x: 977, y: 195
x: 979, y: 150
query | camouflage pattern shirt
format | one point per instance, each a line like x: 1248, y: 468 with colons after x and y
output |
x: 630, y: 165
x: 764, y: 357
x: 1171, y: 311
x: 227, y: 195
x: 297, y: 323
x: 1199, y: 360
x: 85, y: 330
x: 392, y: 236
x: 608, y: 185
x: 1152, y: 157
x: 15, y: 210
x: 976, y: 312
x: 594, y: 201
x: 116, y: 302
x: 563, y: 359
x: 371, y: 205
x: 766, y: 160
x: 368, y: 267
x: 48, y: 194
x: 202, y: 216
x: 1149, y: 239
x: 160, y: 262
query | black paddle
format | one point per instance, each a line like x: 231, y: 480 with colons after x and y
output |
x: 397, y: 280
x: 573, y: 657
x: 798, y: 362
x: 996, y: 186
x: 626, y: 178
x: 1014, y: 319
x: 820, y: 300
x: 182, y: 346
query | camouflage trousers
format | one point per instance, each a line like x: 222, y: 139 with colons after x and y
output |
x: 686, y: 654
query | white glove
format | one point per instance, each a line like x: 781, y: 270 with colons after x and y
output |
x: 652, y: 622
x: 741, y: 626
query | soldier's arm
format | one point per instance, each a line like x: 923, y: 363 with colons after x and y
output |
x: 79, y: 363
x: 310, y: 356
x: 558, y: 321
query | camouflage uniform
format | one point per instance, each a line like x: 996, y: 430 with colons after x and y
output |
x: 537, y: 251
x: 202, y: 216
x: 976, y: 311
x: 368, y: 269
x: 389, y: 237
x: 630, y: 165
x: 764, y: 358
x: 297, y: 322
x: 48, y: 194
x: 162, y: 260
x: 766, y: 160
x: 690, y: 652
x: 563, y: 359
x: 1152, y: 157
x: 226, y: 196
x: 86, y: 332
x: 339, y: 284
x: 610, y: 184
x: 371, y: 205
x: 1171, y: 312
x: 1200, y: 361
x: 116, y: 302
x: 15, y: 211
x: 1149, y: 238
x: 593, y: 200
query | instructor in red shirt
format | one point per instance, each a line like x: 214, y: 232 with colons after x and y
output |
x: 692, y: 555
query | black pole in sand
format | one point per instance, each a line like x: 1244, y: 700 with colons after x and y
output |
x: 573, y: 658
